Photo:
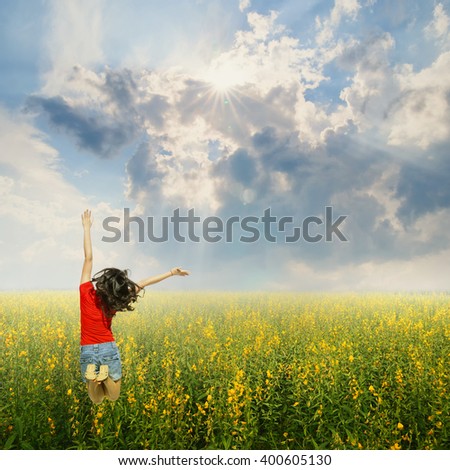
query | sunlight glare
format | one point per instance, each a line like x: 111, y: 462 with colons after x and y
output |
x: 225, y: 77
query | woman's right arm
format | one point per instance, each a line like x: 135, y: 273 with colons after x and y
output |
x: 86, y: 273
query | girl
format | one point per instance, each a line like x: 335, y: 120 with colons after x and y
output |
x: 114, y: 291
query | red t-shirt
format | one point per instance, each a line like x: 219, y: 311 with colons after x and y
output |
x: 95, y: 326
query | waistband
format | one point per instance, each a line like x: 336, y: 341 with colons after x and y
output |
x: 98, y: 347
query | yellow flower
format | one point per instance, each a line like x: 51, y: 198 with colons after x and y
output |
x: 351, y: 358
x: 69, y: 392
x: 400, y: 426
x: 396, y: 446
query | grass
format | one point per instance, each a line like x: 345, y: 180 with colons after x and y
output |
x: 233, y: 371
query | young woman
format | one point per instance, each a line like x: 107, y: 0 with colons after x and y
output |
x: 113, y: 291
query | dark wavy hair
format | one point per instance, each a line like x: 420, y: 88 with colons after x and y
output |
x: 115, y: 290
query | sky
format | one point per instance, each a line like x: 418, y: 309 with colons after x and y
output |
x: 332, y: 117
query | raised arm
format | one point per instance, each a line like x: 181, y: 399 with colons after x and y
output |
x: 154, y: 279
x: 86, y: 273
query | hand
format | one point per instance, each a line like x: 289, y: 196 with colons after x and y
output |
x: 179, y: 272
x: 86, y: 219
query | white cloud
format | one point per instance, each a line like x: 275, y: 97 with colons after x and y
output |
x: 44, y: 249
x: 35, y: 192
x: 405, y: 106
x: 433, y: 226
x: 244, y: 4
x: 265, y: 56
x: 421, y: 273
x: 314, y: 121
x: 74, y: 38
x: 421, y: 115
x: 372, y: 86
x: 343, y: 9
x: 438, y: 28
x: 37, y: 204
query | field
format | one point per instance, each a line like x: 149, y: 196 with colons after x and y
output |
x: 233, y: 371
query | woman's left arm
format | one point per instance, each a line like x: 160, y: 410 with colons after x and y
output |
x: 154, y: 279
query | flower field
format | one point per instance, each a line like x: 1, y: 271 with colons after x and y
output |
x: 233, y: 371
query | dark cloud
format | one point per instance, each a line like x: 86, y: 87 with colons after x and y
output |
x: 121, y: 88
x: 414, y: 101
x: 338, y: 174
x: 154, y: 109
x: 423, y: 185
x: 95, y: 133
x: 370, y: 54
x: 104, y: 127
x: 239, y: 166
x: 279, y: 152
x: 193, y: 99
x: 145, y: 175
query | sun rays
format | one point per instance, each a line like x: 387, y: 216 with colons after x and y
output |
x: 221, y: 103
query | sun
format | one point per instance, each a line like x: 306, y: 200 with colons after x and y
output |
x: 225, y: 76
x: 223, y: 93
x: 222, y: 82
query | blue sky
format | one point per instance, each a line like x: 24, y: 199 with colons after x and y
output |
x: 229, y: 108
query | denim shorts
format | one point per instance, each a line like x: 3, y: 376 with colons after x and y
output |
x: 100, y: 354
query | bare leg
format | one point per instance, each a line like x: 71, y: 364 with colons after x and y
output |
x: 111, y: 388
x: 95, y: 391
